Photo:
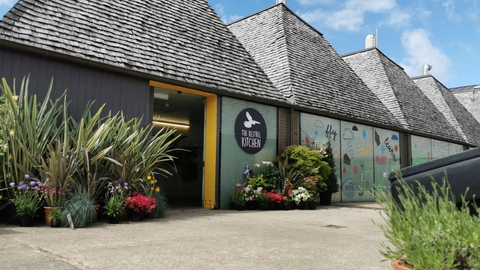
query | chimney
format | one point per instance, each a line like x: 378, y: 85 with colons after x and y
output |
x: 370, y: 41
x: 282, y: 1
x: 426, y: 68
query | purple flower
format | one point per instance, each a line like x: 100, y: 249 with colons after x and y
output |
x: 109, y: 184
x: 27, y: 176
x: 12, y: 184
x: 32, y: 183
x: 115, y: 182
x: 21, y: 183
x: 125, y: 184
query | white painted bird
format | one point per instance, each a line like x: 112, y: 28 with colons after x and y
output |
x: 250, y: 122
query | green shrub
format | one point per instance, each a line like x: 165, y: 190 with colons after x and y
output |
x: 427, y: 229
x: 81, y: 208
x: 331, y: 182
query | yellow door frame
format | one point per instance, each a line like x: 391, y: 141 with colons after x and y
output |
x: 210, y: 139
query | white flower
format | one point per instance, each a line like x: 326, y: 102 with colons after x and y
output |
x: 257, y: 165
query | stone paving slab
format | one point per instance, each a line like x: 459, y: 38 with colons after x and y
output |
x: 335, y: 237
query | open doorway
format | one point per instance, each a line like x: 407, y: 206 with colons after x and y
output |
x: 186, y: 113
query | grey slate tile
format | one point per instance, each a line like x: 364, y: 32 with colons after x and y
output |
x: 401, y: 95
x: 449, y: 105
x: 299, y: 61
x: 132, y: 33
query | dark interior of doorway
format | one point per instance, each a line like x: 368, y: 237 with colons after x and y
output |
x: 186, y: 112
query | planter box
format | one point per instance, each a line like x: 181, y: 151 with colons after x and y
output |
x: 461, y: 169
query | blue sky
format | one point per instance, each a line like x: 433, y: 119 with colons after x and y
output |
x: 442, y: 33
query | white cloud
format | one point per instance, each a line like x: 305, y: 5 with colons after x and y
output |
x: 220, y: 9
x: 420, y: 51
x: 449, y: 6
x: 6, y: 3
x: 399, y: 18
x: 314, y: 2
x: 350, y: 17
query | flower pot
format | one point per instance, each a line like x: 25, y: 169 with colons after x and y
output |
x: 26, y: 221
x: 263, y: 207
x: 252, y: 205
x: 47, y: 210
x: 301, y: 205
x: 278, y: 206
x: 287, y: 206
x: 55, y: 223
x: 312, y: 205
x: 113, y: 219
x: 397, y: 266
x: 125, y: 213
x: 272, y: 206
x: 138, y: 216
x: 240, y: 207
x: 325, y: 198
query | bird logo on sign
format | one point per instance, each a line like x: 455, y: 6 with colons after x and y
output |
x: 250, y: 122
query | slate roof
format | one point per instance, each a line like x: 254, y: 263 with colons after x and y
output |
x: 300, y: 62
x: 400, y: 94
x: 175, y: 39
x: 453, y: 110
x: 467, y: 88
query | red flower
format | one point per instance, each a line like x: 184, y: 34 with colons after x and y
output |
x: 139, y: 202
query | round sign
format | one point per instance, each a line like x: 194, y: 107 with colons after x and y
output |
x: 250, y: 131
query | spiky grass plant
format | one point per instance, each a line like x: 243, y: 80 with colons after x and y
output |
x: 81, y: 208
x: 427, y: 230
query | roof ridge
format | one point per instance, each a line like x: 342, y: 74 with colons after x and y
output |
x: 390, y: 83
x: 289, y: 57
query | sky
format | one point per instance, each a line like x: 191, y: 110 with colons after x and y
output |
x: 442, y: 33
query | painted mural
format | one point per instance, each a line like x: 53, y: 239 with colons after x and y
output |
x: 421, y: 149
x: 439, y: 149
x: 387, y: 156
x: 454, y: 149
x: 357, y: 161
x: 314, y: 132
x: 424, y: 149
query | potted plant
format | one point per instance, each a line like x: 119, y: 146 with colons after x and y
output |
x: 26, y: 200
x: 55, y: 216
x: 140, y: 204
x: 287, y: 199
x: 330, y: 181
x: 238, y: 198
x: 115, y: 200
x: 310, y: 183
x: 57, y: 171
x: 263, y: 201
x: 428, y: 230
x: 80, y: 207
x: 251, y: 196
x: 300, y: 196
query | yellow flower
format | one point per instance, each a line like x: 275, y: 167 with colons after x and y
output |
x: 152, y: 188
x: 157, y: 190
x: 155, y: 181
x: 149, y: 176
x: 152, y: 182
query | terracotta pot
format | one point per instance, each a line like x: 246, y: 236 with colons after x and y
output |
x: 397, y: 266
x: 47, y: 210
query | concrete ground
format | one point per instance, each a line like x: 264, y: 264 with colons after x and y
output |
x: 335, y: 237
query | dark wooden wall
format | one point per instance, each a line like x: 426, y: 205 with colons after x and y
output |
x: 120, y: 92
